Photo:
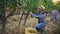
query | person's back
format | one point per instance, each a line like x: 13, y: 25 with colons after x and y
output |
x: 54, y: 12
x: 54, y: 15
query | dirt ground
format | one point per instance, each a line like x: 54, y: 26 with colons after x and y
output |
x: 12, y: 25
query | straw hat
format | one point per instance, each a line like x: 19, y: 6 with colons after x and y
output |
x: 42, y: 7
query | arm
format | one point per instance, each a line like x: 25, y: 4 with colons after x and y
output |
x: 33, y: 15
x: 38, y: 16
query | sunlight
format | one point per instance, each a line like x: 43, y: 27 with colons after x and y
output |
x: 56, y: 0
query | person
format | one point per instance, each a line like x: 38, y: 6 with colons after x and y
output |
x: 41, y: 16
x: 54, y: 15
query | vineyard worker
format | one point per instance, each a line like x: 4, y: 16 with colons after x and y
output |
x: 54, y: 15
x: 41, y: 20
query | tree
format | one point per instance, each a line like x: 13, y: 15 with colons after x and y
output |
x: 4, y: 5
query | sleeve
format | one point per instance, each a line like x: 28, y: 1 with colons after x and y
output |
x: 38, y: 16
x: 33, y: 15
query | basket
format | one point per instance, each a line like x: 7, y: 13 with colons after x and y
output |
x: 30, y: 30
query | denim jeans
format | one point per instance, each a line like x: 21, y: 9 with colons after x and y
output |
x: 41, y: 28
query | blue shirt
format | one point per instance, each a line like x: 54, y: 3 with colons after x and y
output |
x: 54, y: 13
x: 41, y: 17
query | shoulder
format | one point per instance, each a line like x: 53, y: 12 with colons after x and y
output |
x: 43, y: 13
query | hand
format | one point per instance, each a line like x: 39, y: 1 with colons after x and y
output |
x: 30, y: 12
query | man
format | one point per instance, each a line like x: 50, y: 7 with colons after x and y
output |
x: 41, y: 20
x: 54, y: 15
